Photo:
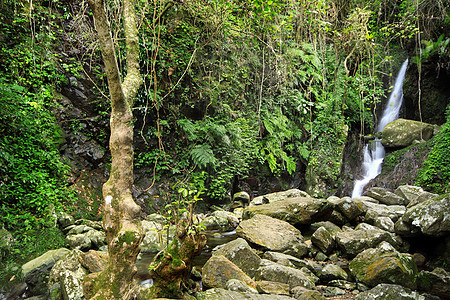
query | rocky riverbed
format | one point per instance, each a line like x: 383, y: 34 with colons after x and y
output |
x: 288, y: 245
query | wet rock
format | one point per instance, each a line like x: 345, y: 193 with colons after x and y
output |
x: 222, y: 294
x: 273, y: 234
x: 323, y: 239
x: 66, y: 278
x: 402, y: 133
x: 365, y: 236
x: 389, y: 291
x: 271, y: 287
x: 430, y: 218
x: 37, y: 271
x: 279, y: 273
x: 384, y: 264
x: 274, y: 197
x: 386, y: 197
x: 218, y: 270
x: 296, y: 211
x: 239, y: 252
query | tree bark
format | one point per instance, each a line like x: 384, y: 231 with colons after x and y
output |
x: 121, y: 215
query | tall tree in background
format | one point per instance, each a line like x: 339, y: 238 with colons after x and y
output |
x: 121, y: 214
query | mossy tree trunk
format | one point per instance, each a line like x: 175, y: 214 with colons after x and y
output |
x: 121, y: 216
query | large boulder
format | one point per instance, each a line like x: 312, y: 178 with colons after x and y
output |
x: 239, y: 252
x: 296, y: 211
x: 223, y: 294
x: 384, y: 264
x: 279, y: 273
x: 402, y: 133
x: 37, y: 271
x: 155, y: 238
x: 347, y: 207
x: 220, y: 219
x: 273, y: 234
x: 274, y: 197
x: 375, y: 211
x: 385, y: 291
x: 431, y: 217
x: 364, y: 236
x: 66, y: 278
x: 386, y: 197
x: 218, y: 270
x: 323, y: 239
x: 84, y: 237
x: 436, y: 282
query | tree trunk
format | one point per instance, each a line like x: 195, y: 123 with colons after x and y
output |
x: 121, y: 215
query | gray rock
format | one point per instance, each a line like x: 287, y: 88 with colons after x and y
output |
x: 385, y: 223
x: 6, y: 240
x: 67, y: 277
x: 241, y: 197
x: 389, y: 292
x: 79, y: 241
x: 293, y: 193
x: 286, y: 260
x: 365, y: 236
x: 239, y: 286
x: 386, y: 197
x: 239, y: 252
x: 402, y: 132
x: 348, y: 208
x: 271, y: 287
x: 409, y: 192
x: 279, y: 273
x: 305, y: 294
x: 155, y: 238
x: 64, y: 220
x: 332, y: 272
x: 98, y: 238
x: 431, y: 217
x: 384, y: 264
x: 218, y: 270
x: 375, y: 211
x: 343, y: 284
x: 436, y: 282
x: 37, y: 271
x: 220, y: 219
x: 422, y: 198
x: 323, y: 239
x: 223, y: 294
x: 331, y: 227
x: 273, y: 234
x: 296, y: 211
x: 77, y: 229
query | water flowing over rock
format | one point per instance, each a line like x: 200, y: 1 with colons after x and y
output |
x: 402, y: 133
x: 384, y: 264
x: 374, y: 154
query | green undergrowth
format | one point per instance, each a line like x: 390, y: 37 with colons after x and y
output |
x: 434, y: 175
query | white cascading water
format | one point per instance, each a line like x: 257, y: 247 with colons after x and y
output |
x: 374, y: 151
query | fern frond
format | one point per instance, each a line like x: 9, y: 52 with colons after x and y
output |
x: 203, y: 156
x: 189, y: 128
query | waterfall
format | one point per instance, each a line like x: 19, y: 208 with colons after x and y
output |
x: 374, y: 151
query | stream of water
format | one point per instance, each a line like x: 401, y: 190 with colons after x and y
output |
x: 374, y: 150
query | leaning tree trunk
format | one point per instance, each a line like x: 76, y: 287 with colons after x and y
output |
x: 121, y: 214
